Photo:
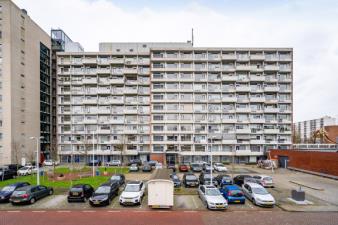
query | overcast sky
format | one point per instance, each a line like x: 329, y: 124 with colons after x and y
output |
x: 310, y: 27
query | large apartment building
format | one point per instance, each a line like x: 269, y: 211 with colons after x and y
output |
x: 24, y: 85
x: 173, y: 102
x: 305, y: 129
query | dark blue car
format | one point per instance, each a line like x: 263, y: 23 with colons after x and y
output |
x: 223, y: 179
x: 7, y: 191
x: 233, y: 194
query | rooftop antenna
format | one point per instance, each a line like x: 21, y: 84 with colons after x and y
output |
x: 192, y: 36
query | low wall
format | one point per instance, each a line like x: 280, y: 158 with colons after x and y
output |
x: 316, y: 161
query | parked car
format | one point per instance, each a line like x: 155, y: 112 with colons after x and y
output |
x: 30, y: 194
x: 239, y: 180
x: 183, y: 168
x: 50, y: 162
x: 132, y: 193
x: 6, y: 173
x: 7, y: 191
x: 158, y: 166
x: 80, y: 192
x: 152, y: 162
x: 250, y: 180
x: 114, y: 163
x: 233, y: 194
x: 264, y: 180
x: 176, y: 180
x: 26, y: 170
x: 120, y: 178
x: 13, y: 167
x: 219, y: 167
x: 104, y: 194
x: 160, y: 193
x: 135, y: 161
x: 258, y: 195
x: 146, y: 168
x: 94, y: 162
x: 207, y: 167
x: 223, y: 179
x: 196, y: 167
x: 133, y: 168
x: 205, y: 179
x: 190, y: 180
x: 171, y: 166
x: 212, y: 197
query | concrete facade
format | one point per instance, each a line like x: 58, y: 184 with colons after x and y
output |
x: 21, y: 43
x: 173, y: 102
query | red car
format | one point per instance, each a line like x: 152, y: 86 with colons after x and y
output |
x: 183, y: 168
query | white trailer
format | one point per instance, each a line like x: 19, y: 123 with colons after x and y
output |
x: 160, y: 193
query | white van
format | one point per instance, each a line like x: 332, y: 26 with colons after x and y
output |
x: 160, y: 193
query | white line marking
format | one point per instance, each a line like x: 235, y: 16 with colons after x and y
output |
x: 190, y: 211
x: 88, y: 211
x: 14, y: 211
x: 140, y: 211
x: 264, y: 211
x: 63, y: 211
x: 39, y: 211
x: 238, y: 211
x: 163, y: 211
x: 113, y: 211
x: 193, y: 201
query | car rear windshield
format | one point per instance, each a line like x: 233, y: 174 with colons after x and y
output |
x: 236, y: 193
x: 190, y: 177
x: 267, y: 178
x: 76, y: 189
x: 132, y: 188
x: 103, y: 190
x: 8, y: 188
x: 212, y: 192
x: 115, y: 178
x: 25, y: 168
x: 260, y: 191
x: 19, y: 192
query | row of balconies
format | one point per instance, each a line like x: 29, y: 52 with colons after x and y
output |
x: 95, y: 71
x: 247, y: 68
x: 105, y: 61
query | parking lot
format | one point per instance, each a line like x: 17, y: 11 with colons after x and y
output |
x: 187, y: 199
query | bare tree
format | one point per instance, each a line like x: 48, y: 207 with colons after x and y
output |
x: 16, y: 152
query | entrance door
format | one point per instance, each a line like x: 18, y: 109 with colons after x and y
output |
x: 171, y: 158
x: 283, y: 161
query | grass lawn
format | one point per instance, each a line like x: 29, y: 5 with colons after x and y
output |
x: 63, y: 186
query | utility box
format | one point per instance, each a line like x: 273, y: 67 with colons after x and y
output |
x: 298, y: 195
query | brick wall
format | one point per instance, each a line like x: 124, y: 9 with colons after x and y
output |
x: 159, y: 157
x: 332, y: 132
x: 321, y: 162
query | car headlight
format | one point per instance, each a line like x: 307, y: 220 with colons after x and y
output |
x: 211, y: 203
x: 259, y: 199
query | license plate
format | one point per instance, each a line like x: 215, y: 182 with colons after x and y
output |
x: 237, y: 201
x: 96, y: 203
x: 75, y: 193
x: 219, y: 206
x: 16, y: 201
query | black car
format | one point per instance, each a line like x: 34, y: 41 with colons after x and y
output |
x: 223, y: 179
x: 146, y: 168
x: 205, y: 179
x: 172, y: 167
x: 190, y: 180
x: 239, y: 180
x: 14, y: 167
x: 6, y: 173
x: 80, y: 192
x: 176, y: 180
x: 7, y: 191
x: 30, y: 194
x: 135, y: 161
x: 120, y: 178
x: 104, y: 194
x: 152, y: 163
x: 94, y: 163
x: 196, y: 167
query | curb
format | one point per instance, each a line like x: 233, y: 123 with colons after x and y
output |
x: 303, y: 185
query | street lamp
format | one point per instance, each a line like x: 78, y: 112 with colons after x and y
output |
x: 37, y: 157
x: 93, y: 162
x: 211, y: 167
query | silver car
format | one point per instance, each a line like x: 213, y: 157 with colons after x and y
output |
x: 212, y: 197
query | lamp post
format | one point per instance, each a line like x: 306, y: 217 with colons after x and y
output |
x: 211, y: 167
x: 37, y: 158
x: 93, y: 164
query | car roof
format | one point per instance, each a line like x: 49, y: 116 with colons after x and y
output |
x: 254, y: 185
x: 209, y: 186
x: 107, y: 184
x: 232, y: 187
x: 78, y: 185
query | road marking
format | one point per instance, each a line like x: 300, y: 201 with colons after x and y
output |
x: 88, y: 211
x: 264, y: 211
x: 14, y: 211
x: 140, y: 211
x: 39, y: 211
x: 190, y: 211
x: 63, y: 211
x: 193, y: 201
x: 241, y: 211
x: 114, y: 211
x: 163, y: 211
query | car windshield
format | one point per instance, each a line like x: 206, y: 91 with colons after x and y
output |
x: 103, y: 190
x: 19, y: 192
x: 212, y: 192
x: 76, y: 189
x: 195, y: 165
x: 236, y: 193
x: 190, y: 177
x: 207, y: 176
x: 8, y: 188
x: 132, y: 188
x: 25, y: 168
x: 115, y: 178
x: 225, y: 178
x: 267, y: 178
x: 174, y: 177
x: 260, y: 191
x: 133, y: 165
x: 219, y: 164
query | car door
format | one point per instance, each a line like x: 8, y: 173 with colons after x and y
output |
x: 257, y: 178
x: 35, y: 193
x: 202, y: 194
x: 142, y: 187
x: 42, y: 191
x: 245, y: 190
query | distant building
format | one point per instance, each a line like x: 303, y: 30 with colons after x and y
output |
x: 25, y: 85
x: 305, y: 129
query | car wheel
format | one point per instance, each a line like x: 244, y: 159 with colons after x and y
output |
x: 50, y: 192
x: 32, y: 201
x: 253, y: 201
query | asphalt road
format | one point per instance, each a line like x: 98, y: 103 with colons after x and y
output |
x: 133, y: 217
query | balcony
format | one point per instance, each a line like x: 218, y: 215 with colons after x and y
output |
x: 257, y: 99
x: 130, y: 152
x: 116, y: 121
x: 130, y: 111
x: 130, y: 91
x: 103, y: 71
x: 104, y: 111
x: 103, y: 131
x: 89, y: 61
x: 117, y: 101
x: 271, y: 110
x: 257, y: 142
x: 89, y: 81
x: 90, y: 121
x: 229, y: 99
x: 285, y: 69
x: 257, y: 57
x: 271, y: 89
x: 271, y: 131
x: 271, y: 68
x: 243, y: 68
x: 130, y: 71
x: 90, y: 101
x: 228, y: 120
x: 256, y: 69
x: 271, y: 79
x: 243, y: 89
x: 243, y: 131
x: 117, y: 61
x: 257, y: 78
x: 254, y: 120
x: 117, y: 81
x: 243, y: 110
x: 231, y: 57
x: 103, y: 91
x: 229, y: 78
